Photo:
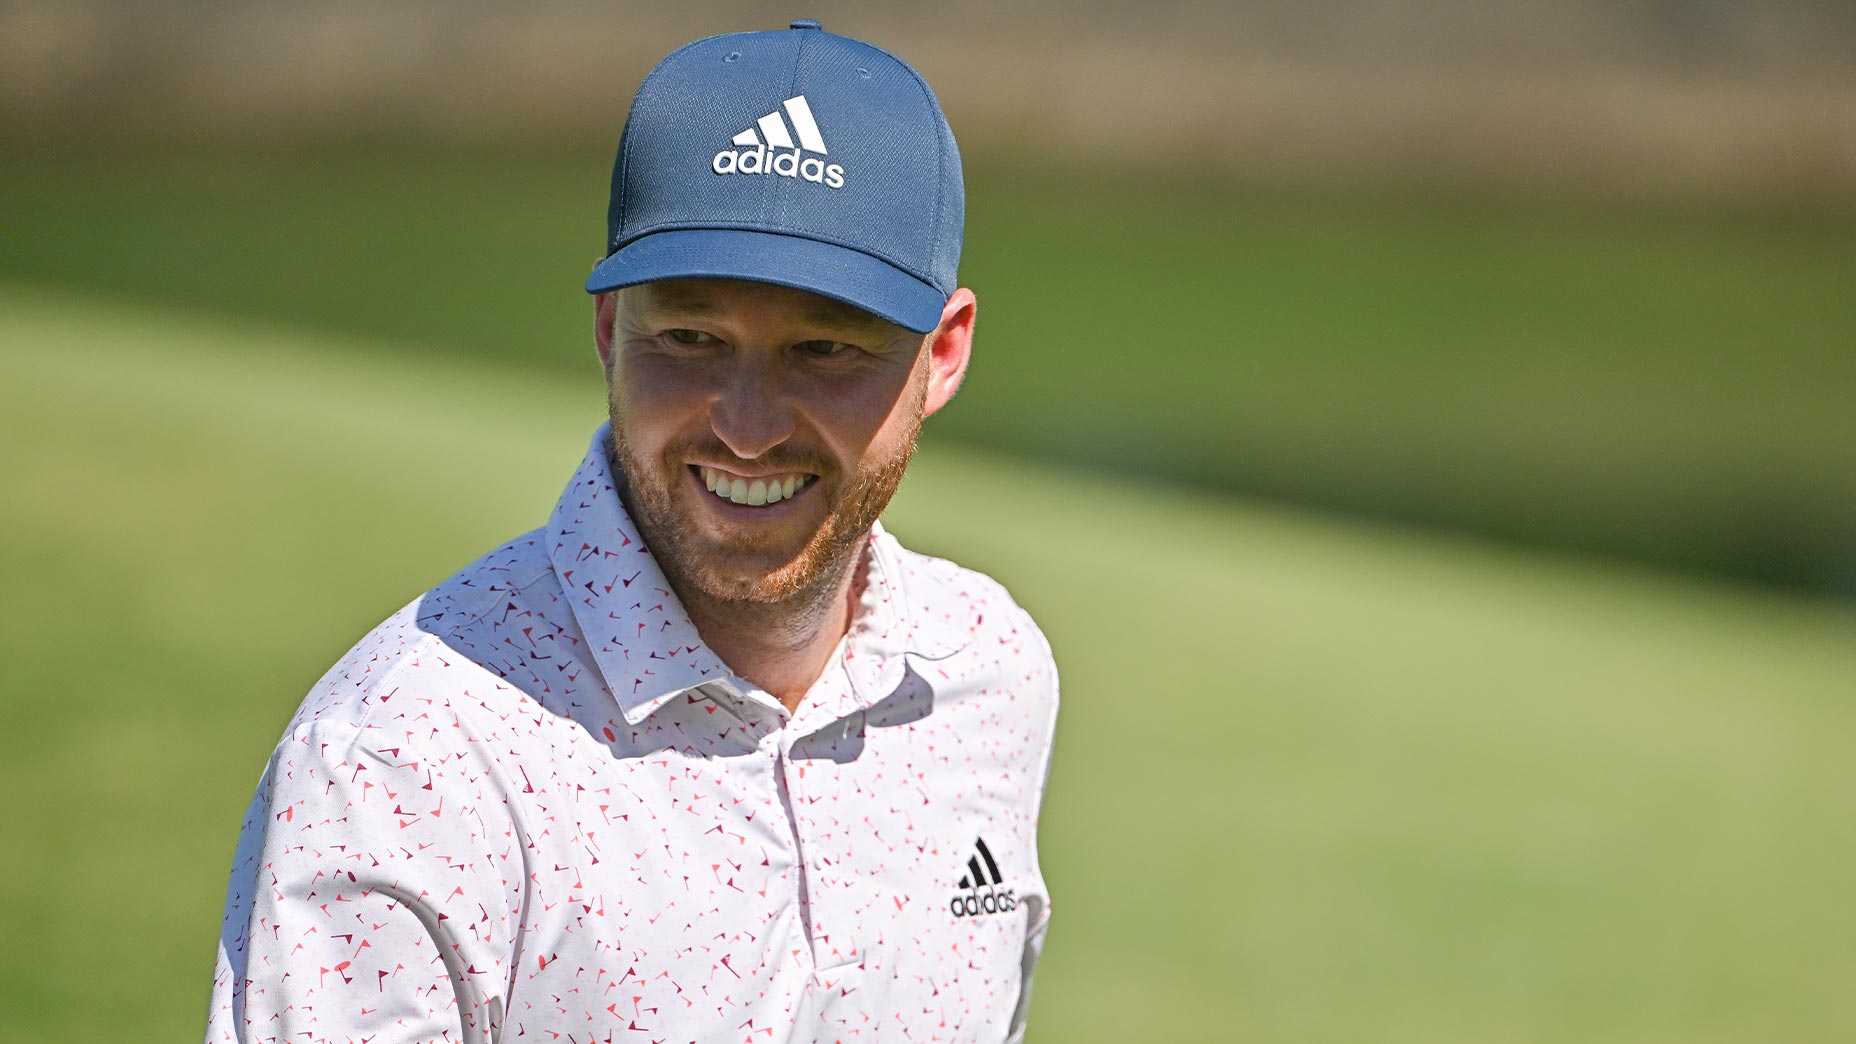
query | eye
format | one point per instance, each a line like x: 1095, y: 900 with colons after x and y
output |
x: 684, y: 336
x: 825, y: 349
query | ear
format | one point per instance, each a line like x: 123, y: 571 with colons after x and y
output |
x: 949, y: 348
x: 605, y: 310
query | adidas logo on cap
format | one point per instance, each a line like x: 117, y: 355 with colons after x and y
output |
x: 760, y: 144
x: 970, y: 901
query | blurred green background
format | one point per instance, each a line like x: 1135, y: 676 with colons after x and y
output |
x: 1424, y: 434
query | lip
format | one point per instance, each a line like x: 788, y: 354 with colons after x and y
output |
x: 736, y: 472
x: 743, y: 512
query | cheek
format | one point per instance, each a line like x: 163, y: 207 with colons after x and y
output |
x: 863, y: 418
x: 850, y: 416
x: 653, y: 401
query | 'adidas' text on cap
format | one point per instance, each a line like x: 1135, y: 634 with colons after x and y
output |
x: 795, y: 157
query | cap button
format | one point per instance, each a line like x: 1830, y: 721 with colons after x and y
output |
x: 806, y: 23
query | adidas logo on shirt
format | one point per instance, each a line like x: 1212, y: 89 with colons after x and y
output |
x: 970, y: 901
x: 760, y: 145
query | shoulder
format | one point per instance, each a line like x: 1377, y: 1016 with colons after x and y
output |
x: 413, y: 717
x: 969, y: 625
x: 953, y: 605
x: 415, y: 651
x: 984, y: 654
x: 488, y: 585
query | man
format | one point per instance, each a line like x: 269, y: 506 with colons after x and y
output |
x: 709, y: 756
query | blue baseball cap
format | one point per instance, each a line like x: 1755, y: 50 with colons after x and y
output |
x: 795, y: 157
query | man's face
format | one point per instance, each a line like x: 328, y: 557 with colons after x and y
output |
x: 762, y: 429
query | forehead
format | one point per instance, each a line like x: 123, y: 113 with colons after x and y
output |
x: 734, y: 298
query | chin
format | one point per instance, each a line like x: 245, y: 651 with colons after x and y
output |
x: 730, y: 565
x: 817, y: 568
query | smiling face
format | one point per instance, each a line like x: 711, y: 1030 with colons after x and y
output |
x: 762, y: 429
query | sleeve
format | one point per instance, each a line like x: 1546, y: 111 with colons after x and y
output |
x: 372, y: 898
x: 1037, y: 924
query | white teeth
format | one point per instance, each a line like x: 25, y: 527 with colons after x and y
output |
x: 752, y: 492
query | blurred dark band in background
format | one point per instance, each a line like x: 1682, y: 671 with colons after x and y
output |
x: 1570, y: 275
x: 1644, y: 96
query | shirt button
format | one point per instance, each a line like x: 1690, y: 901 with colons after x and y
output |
x: 806, y: 23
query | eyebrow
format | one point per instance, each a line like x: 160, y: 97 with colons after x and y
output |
x: 671, y: 297
x: 822, y: 311
x: 838, y: 315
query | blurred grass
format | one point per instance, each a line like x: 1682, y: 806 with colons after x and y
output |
x: 1667, y: 385
x: 1315, y: 781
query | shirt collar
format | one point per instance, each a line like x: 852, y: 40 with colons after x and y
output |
x: 644, y: 643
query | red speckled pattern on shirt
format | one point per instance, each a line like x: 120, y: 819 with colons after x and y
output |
x: 533, y: 805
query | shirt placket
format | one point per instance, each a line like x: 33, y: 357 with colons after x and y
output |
x: 780, y: 747
x: 811, y: 804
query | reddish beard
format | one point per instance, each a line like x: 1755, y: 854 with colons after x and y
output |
x: 813, y: 571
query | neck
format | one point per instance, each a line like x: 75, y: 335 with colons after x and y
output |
x: 783, y: 646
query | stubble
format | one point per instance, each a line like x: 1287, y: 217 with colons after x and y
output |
x: 719, y: 573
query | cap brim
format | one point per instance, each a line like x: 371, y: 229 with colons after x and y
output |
x: 839, y: 273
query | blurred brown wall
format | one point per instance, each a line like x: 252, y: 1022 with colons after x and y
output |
x: 1649, y: 96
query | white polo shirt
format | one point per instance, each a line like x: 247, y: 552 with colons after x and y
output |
x: 533, y: 804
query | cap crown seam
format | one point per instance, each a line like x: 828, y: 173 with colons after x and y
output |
x: 792, y: 88
x: 941, y: 195
x: 631, y: 113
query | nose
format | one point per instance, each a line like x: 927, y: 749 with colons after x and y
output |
x: 751, y: 412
